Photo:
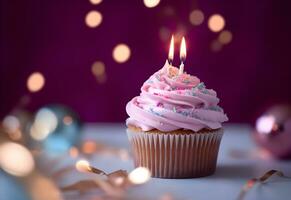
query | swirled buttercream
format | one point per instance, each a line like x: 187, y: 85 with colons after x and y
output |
x: 169, y: 101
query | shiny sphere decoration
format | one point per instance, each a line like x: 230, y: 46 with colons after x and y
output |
x: 273, y: 131
x: 56, y: 128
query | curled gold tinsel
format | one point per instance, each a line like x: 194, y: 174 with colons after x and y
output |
x: 252, y: 182
x: 113, y: 185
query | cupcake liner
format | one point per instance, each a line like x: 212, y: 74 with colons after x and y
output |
x: 175, y: 155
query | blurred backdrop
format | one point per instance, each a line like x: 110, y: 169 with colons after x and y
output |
x: 93, y: 56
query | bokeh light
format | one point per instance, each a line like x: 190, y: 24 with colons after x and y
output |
x: 139, y: 175
x: 121, y: 53
x: 216, y: 46
x: 102, y: 79
x: 216, y: 23
x: 168, y: 11
x: 15, y: 159
x: 82, y: 165
x: 225, y: 37
x: 67, y: 120
x: 265, y: 124
x: 98, y: 68
x: 151, y: 3
x: 35, y: 82
x: 95, y: 2
x: 196, y: 17
x: 164, y: 34
x: 45, y: 122
x: 166, y: 196
x: 93, y: 19
x: 123, y: 154
x: 40, y: 187
x: 89, y: 147
x: 11, y: 124
x: 180, y: 33
x: 74, y: 152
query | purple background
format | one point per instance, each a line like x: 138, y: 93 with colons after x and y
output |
x: 250, y: 73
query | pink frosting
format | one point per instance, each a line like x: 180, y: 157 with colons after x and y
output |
x: 169, y: 101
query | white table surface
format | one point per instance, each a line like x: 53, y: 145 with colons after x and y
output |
x: 231, y: 174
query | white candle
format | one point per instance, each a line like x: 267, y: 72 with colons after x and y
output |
x: 181, y: 69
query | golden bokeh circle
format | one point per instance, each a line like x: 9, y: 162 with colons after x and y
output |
x: 151, y: 3
x: 95, y: 2
x: 121, y: 53
x: 216, y: 22
x: 225, y: 37
x: 35, y: 82
x: 98, y: 68
x: 93, y: 19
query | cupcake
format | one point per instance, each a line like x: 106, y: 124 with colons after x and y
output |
x: 175, y: 125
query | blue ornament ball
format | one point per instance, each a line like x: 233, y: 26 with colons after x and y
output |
x: 56, y: 128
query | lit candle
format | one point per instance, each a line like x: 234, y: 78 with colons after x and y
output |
x: 182, y: 55
x: 171, y: 51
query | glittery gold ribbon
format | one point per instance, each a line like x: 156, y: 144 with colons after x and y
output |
x: 252, y: 182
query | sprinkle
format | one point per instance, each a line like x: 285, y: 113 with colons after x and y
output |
x: 186, y: 81
x: 156, y: 113
x: 205, y: 91
x: 184, y: 113
x: 201, y: 86
x: 215, y: 108
x: 174, y: 110
x: 159, y: 104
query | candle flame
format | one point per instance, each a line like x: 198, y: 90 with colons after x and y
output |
x: 171, y: 51
x: 183, y: 50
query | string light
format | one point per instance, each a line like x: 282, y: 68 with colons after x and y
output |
x: 95, y: 2
x: 216, y: 23
x: 93, y: 19
x: 196, y: 17
x: 82, y: 165
x: 151, y: 3
x: 35, y: 82
x: 139, y: 175
x: 225, y: 37
x: 15, y: 159
x: 121, y: 53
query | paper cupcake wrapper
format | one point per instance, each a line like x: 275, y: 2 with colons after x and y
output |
x: 169, y: 155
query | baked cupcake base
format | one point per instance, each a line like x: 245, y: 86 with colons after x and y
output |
x: 176, y: 154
